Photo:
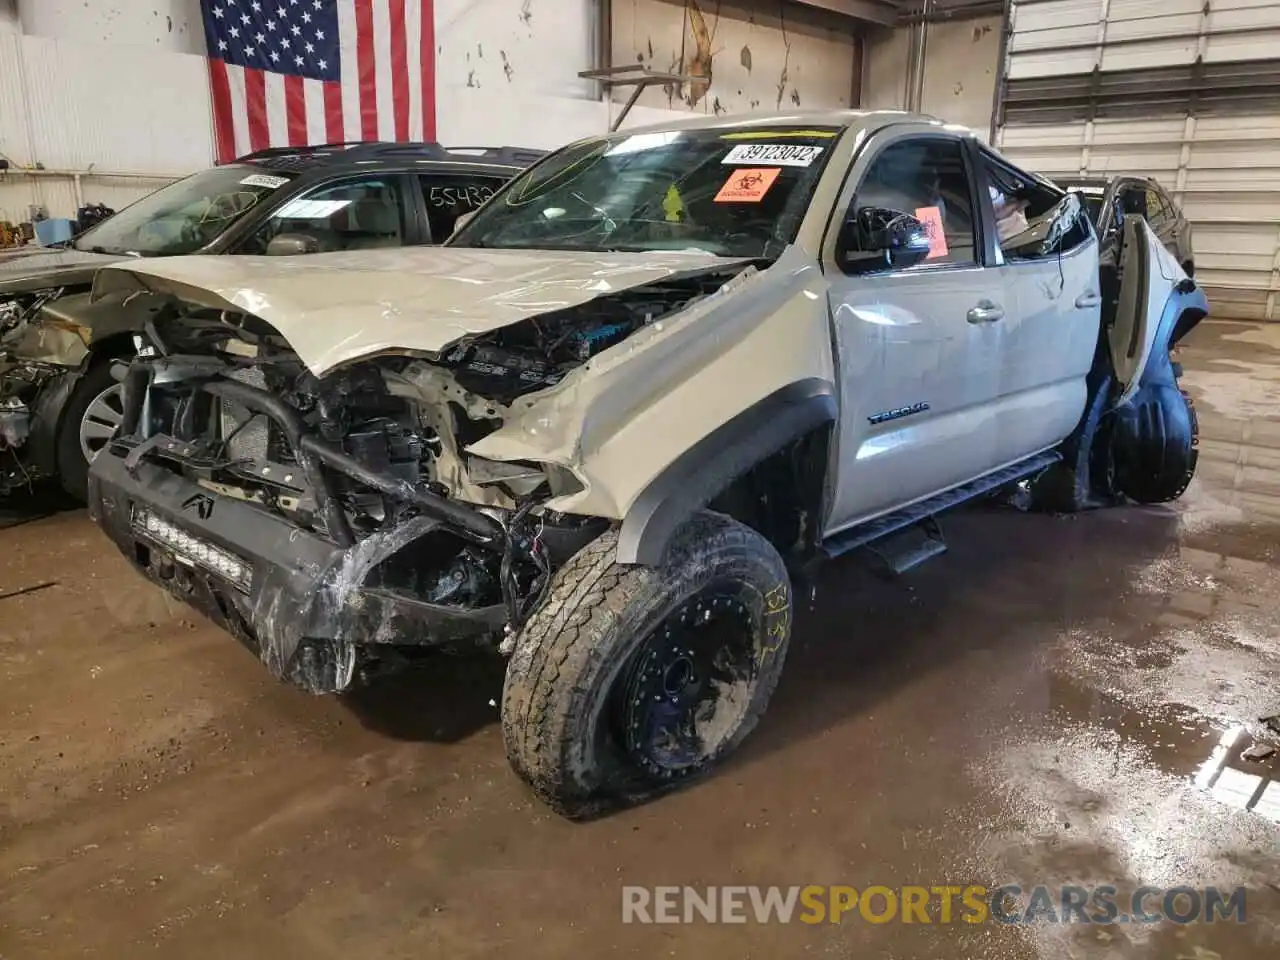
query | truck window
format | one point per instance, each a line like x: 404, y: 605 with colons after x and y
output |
x: 926, y: 178
x: 1025, y: 210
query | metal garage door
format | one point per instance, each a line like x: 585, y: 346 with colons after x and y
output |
x: 1184, y: 90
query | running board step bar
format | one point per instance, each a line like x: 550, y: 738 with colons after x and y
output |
x: 909, y: 547
x: 891, y: 523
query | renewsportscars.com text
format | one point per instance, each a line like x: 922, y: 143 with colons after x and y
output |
x: 973, y: 903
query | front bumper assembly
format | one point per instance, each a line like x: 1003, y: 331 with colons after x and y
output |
x: 308, y: 606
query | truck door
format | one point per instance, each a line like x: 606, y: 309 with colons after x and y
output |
x: 918, y: 347
x: 1147, y: 306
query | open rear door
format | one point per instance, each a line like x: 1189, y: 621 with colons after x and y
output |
x: 1149, y: 276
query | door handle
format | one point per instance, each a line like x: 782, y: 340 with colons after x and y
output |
x: 1087, y: 300
x: 986, y: 312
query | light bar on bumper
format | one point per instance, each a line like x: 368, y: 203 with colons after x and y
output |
x: 192, y: 551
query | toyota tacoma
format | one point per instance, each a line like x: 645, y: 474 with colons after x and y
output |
x: 610, y: 426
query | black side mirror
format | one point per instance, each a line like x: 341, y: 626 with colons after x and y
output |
x: 292, y: 245
x: 877, y: 238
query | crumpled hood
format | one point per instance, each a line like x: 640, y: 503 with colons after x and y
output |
x: 334, y: 308
x: 32, y: 268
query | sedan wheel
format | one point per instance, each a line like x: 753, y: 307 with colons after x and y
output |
x: 101, y: 421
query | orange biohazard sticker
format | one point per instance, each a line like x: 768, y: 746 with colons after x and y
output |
x: 931, y: 217
x: 748, y: 185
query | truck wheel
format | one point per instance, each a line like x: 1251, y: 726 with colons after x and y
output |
x: 1085, y: 477
x: 90, y: 418
x: 630, y: 681
x: 1157, y: 445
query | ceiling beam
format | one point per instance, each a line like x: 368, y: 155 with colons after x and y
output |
x: 881, y: 12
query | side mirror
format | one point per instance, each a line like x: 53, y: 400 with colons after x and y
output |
x: 877, y: 238
x: 462, y: 221
x: 292, y: 245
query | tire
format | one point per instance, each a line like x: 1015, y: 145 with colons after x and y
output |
x: 1158, y: 445
x: 578, y: 720
x: 97, y: 394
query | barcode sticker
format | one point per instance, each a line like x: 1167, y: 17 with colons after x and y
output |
x: 773, y: 154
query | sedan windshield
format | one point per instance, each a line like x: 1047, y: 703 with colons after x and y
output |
x: 184, y: 216
x: 738, y: 192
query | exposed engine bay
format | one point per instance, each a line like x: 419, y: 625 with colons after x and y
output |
x: 362, y: 454
x: 21, y: 380
x: 19, y: 310
x: 514, y: 361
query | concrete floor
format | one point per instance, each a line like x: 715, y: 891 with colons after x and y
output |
x: 1031, y: 708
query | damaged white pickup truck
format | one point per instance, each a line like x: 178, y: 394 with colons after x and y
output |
x: 603, y: 430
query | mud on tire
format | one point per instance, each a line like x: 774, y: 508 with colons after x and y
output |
x: 630, y: 681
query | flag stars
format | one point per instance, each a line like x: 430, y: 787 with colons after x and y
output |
x: 306, y: 18
x: 296, y: 30
x: 324, y: 64
x: 222, y: 44
x: 234, y: 32
x: 261, y: 38
x: 319, y: 35
x: 280, y: 12
x: 298, y: 61
x: 310, y: 49
x: 219, y: 13
x: 284, y: 43
x: 275, y: 56
x: 244, y: 18
x: 248, y: 53
x: 271, y: 25
x: 257, y: 7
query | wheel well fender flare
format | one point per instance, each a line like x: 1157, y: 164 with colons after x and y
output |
x: 694, y: 478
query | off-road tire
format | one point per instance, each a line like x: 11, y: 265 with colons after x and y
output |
x: 73, y: 468
x: 1157, y: 460
x: 581, y: 648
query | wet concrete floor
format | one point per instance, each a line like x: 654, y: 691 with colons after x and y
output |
x: 1058, y: 700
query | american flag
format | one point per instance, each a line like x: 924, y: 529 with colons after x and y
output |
x: 299, y: 72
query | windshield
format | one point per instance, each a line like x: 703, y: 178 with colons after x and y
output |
x: 735, y: 192
x: 184, y: 216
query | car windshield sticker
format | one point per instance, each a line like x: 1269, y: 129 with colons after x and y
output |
x: 931, y: 217
x: 311, y: 209
x: 747, y: 186
x: 769, y: 134
x: 263, y: 180
x: 774, y: 154
x: 673, y: 205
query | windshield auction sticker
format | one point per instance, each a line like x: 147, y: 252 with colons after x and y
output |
x: 747, y: 186
x: 263, y: 180
x: 773, y: 154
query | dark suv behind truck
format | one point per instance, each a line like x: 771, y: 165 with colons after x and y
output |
x: 1109, y: 199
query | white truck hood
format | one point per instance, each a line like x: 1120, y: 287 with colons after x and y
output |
x: 335, y: 308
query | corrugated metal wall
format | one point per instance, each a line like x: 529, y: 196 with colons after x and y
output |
x: 1184, y: 90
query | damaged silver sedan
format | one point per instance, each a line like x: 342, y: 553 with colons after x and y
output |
x: 607, y: 428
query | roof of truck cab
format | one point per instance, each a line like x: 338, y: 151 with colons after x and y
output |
x: 866, y: 119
